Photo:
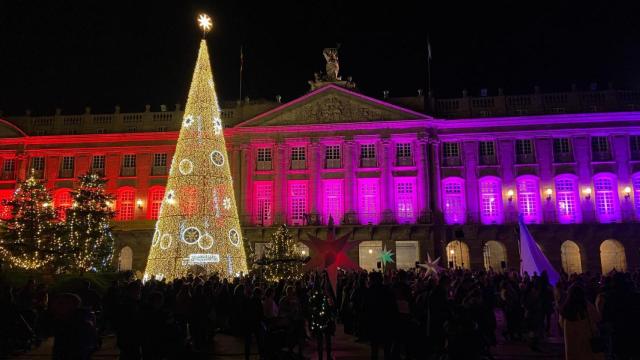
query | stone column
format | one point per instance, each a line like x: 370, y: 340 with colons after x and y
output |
x: 470, y: 149
x: 21, y: 168
x: 314, y: 177
x: 280, y: 186
x: 112, y: 171
x: 544, y: 158
x: 582, y: 156
x: 435, y: 189
x: 387, y: 190
x: 506, y: 151
x: 620, y: 149
x: 245, y: 188
x: 422, y: 176
x: 349, y: 177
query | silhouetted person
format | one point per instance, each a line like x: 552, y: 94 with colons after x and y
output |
x: 380, y: 315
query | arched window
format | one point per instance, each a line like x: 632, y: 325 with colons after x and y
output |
x: 156, y: 195
x: 571, y: 259
x: 125, y: 260
x: 458, y: 255
x: 636, y: 193
x: 612, y: 256
x: 62, y: 200
x: 567, y: 199
x: 491, y: 200
x: 125, y: 204
x: 495, y: 256
x: 453, y: 200
x: 606, y: 202
x: 529, y: 198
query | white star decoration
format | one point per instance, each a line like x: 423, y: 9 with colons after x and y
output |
x: 226, y: 203
x: 431, y: 265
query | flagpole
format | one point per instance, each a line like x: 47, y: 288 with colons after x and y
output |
x: 428, y: 66
x: 241, y: 66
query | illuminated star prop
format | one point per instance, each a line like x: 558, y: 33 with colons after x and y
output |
x: 385, y: 256
x: 331, y: 254
x: 204, y: 22
x: 431, y: 265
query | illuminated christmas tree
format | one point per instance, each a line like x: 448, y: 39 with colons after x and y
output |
x: 87, y: 238
x: 198, y: 228
x: 29, y: 237
x: 283, y: 259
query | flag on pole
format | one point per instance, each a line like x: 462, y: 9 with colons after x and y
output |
x: 241, y: 58
x: 429, y: 49
x: 533, y: 259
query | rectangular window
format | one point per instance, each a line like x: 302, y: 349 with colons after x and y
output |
x: 369, y: 200
x: 298, y: 153
x: 606, y: 198
x: 333, y: 201
x: 66, y: 168
x: 600, y: 148
x: 490, y: 201
x: 561, y: 150
x: 634, y: 145
x: 125, y: 205
x: 263, y: 159
x: 451, y: 154
x: 263, y: 203
x: 566, y: 200
x: 155, y: 200
x: 8, y: 169
x: 636, y: 195
x: 97, y: 163
x: 368, y: 155
x: 488, y: 153
x: 37, y: 163
x: 160, y: 159
x: 454, y: 203
x: 405, y: 201
x: 528, y: 199
x: 403, y: 154
x: 332, y: 157
x: 297, y: 203
x: 129, y: 165
x: 524, y: 151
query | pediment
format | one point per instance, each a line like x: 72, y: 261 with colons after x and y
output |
x: 332, y: 104
x: 9, y: 130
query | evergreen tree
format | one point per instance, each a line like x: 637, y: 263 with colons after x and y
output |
x: 88, y: 238
x: 283, y: 259
x: 29, y: 237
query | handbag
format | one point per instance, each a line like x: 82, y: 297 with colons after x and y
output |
x: 597, y: 342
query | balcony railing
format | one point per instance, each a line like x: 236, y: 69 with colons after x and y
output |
x: 525, y: 159
x: 451, y: 161
x: 350, y: 218
x: 158, y: 170
x: 38, y: 174
x: 66, y: 173
x: 368, y: 163
x: 563, y: 157
x: 99, y: 171
x: 333, y: 164
x: 128, y: 171
x: 298, y: 164
x: 600, y: 156
x: 8, y: 175
x: 488, y: 160
x: 263, y: 165
x: 404, y: 161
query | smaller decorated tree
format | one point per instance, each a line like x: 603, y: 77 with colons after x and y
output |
x: 29, y: 237
x: 88, y: 237
x: 283, y: 259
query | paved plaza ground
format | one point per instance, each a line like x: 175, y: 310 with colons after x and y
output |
x: 226, y: 347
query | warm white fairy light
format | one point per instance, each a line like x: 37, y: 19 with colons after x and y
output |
x: 196, y: 218
x: 205, y: 23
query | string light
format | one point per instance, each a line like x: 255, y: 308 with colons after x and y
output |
x: 282, y: 256
x: 206, y: 232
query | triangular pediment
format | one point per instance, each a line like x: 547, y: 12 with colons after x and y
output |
x: 332, y: 104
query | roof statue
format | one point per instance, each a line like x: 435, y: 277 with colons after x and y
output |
x: 332, y: 70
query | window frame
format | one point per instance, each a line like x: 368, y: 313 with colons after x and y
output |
x: 454, y: 216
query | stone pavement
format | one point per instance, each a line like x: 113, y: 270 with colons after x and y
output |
x: 226, y: 347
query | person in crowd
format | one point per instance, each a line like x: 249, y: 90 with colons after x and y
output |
x: 381, y: 310
x: 579, y: 321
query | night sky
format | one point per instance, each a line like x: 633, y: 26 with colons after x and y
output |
x: 72, y: 54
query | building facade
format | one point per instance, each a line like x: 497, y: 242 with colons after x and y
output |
x: 450, y: 185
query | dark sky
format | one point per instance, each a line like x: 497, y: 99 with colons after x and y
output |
x: 71, y: 54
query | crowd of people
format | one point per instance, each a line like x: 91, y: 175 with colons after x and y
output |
x: 401, y: 314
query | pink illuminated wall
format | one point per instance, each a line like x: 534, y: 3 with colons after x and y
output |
x: 298, y: 201
x: 405, y: 199
x: 263, y: 203
x: 453, y: 199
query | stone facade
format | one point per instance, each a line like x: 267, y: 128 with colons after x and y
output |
x: 389, y: 175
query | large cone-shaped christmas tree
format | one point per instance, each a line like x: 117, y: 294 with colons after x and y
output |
x: 198, y: 228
